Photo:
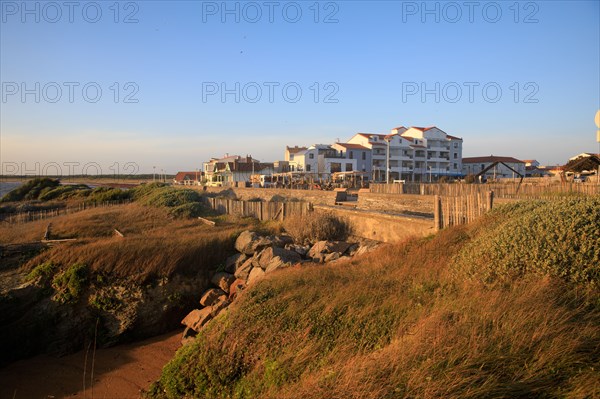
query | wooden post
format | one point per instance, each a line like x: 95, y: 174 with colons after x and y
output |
x: 47, y: 233
x: 437, y: 212
x: 260, y: 210
x: 490, y: 200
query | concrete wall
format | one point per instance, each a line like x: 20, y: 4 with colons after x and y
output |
x: 317, y: 197
x: 396, y: 202
x: 382, y: 227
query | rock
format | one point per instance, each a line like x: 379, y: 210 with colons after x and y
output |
x: 282, y: 241
x: 244, y: 270
x: 211, y: 296
x: 301, y: 250
x: 223, y: 280
x: 363, y: 249
x: 235, y: 288
x: 221, y: 304
x: 250, y: 242
x: 332, y: 256
x: 197, y: 318
x: 327, y: 247
x: 256, y: 274
x: 273, y: 258
x: 234, y: 261
x: 188, y: 336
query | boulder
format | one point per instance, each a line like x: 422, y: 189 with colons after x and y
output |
x: 273, y: 258
x: 243, y: 271
x: 235, y: 288
x: 332, y: 256
x: 234, y: 261
x: 327, y: 247
x: 188, y: 336
x: 256, y: 274
x: 282, y: 241
x: 250, y: 242
x: 301, y: 250
x: 210, y: 296
x: 197, y: 318
x: 221, y: 304
x: 223, y: 280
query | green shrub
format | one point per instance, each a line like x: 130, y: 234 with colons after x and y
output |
x: 42, y: 272
x: 559, y: 238
x: 70, y: 283
x: 106, y: 194
x: 187, y: 211
x: 61, y: 192
x: 30, y: 190
x: 317, y: 227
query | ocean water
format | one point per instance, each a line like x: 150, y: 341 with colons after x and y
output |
x: 5, y: 187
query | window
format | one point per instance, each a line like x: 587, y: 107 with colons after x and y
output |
x: 455, y: 166
x: 308, y: 167
x: 455, y: 145
x: 351, y: 155
x: 291, y: 157
x: 364, y: 155
x: 311, y: 156
x: 455, y: 155
x: 348, y: 167
x: 336, y: 167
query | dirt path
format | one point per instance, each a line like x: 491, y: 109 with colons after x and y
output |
x: 119, y: 372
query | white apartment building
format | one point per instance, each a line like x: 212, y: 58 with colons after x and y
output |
x: 413, y: 154
x: 320, y: 161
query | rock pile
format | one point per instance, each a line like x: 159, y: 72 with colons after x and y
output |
x: 258, y: 255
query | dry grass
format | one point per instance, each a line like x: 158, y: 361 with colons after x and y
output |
x: 317, y: 226
x: 397, y: 323
x: 154, y: 245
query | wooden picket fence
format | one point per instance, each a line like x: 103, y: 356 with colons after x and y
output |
x: 501, y: 190
x: 261, y: 210
x: 43, y: 214
x: 457, y: 210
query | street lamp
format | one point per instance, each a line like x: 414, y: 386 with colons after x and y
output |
x: 387, y: 171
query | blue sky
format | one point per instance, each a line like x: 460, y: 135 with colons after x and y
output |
x: 361, y: 67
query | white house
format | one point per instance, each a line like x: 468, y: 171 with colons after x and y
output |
x: 234, y: 169
x: 474, y: 165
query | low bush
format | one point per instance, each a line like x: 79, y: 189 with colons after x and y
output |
x: 42, y: 272
x: 70, y: 283
x: 557, y: 238
x: 317, y: 226
x: 30, y: 190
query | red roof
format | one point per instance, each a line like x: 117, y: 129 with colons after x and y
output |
x: 423, y: 129
x: 490, y: 159
x: 453, y: 137
x: 181, y: 176
x: 351, y: 145
x: 295, y: 149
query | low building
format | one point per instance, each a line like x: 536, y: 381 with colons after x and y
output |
x: 188, y: 178
x: 233, y: 169
x: 502, y: 168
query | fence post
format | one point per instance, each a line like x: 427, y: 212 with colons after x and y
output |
x: 437, y: 212
x: 490, y: 200
x: 260, y: 208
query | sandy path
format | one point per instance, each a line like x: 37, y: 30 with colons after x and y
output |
x: 119, y: 372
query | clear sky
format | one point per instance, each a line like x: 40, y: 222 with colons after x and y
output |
x: 183, y: 81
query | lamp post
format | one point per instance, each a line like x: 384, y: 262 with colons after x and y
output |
x: 429, y: 173
x: 387, y: 165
